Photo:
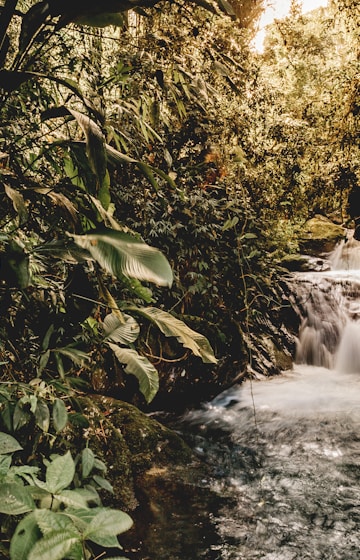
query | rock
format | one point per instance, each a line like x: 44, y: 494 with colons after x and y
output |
x: 304, y: 263
x: 154, y: 474
x: 130, y: 443
x: 320, y: 236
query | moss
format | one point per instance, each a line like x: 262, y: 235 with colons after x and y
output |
x: 130, y: 443
x: 319, y: 235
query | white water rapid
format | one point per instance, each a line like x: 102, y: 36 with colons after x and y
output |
x: 285, y: 451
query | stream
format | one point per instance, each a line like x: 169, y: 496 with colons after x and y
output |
x: 284, y: 452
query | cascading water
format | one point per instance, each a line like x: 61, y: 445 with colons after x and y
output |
x: 330, y: 332
x: 285, y: 452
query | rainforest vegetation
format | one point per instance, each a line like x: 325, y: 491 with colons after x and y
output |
x: 155, y: 172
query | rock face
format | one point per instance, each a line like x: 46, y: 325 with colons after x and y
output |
x: 131, y: 443
x: 320, y: 236
x: 153, y: 472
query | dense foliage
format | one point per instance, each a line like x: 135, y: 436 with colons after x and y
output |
x: 165, y: 166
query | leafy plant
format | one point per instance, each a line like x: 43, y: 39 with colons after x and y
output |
x: 61, y: 520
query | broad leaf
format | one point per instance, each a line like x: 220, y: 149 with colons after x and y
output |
x: 8, y: 444
x: 116, y: 331
x: 42, y: 416
x: 18, y: 203
x: 103, y: 483
x: 122, y: 254
x: 139, y: 366
x: 59, y: 415
x: 73, y: 498
x: 107, y: 523
x: 15, y: 499
x: 60, y: 473
x: 170, y: 326
x: 25, y: 472
x: 26, y: 534
x: 95, y: 143
x: 56, y: 545
x: 87, y: 462
x: 50, y: 521
x: 5, y: 464
x: 109, y: 541
x: 21, y: 416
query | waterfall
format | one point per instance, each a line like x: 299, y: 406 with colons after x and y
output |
x: 283, y: 451
x: 329, y: 335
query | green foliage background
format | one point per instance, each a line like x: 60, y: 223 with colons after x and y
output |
x: 150, y: 160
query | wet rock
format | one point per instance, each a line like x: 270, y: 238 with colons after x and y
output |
x: 156, y: 477
x: 304, y: 263
x: 320, y: 236
x: 130, y: 443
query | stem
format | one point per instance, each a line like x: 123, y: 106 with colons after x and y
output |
x: 6, y: 14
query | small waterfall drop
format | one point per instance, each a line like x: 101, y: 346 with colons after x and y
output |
x: 284, y: 451
x: 330, y: 331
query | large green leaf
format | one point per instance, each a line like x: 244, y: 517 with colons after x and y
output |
x: 139, y: 366
x: 55, y: 546
x: 59, y: 415
x: 60, y: 473
x: 95, y: 143
x: 122, y: 254
x: 87, y: 461
x: 42, y: 416
x: 73, y: 498
x: 26, y: 534
x: 8, y: 444
x: 15, y: 499
x: 50, y: 521
x: 116, y: 331
x: 107, y: 523
x: 5, y: 464
x: 170, y: 326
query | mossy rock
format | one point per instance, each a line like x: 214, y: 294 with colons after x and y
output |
x: 130, y: 443
x: 304, y: 263
x: 155, y: 475
x: 320, y: 236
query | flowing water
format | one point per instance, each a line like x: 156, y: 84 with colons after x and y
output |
x: 285, y: 452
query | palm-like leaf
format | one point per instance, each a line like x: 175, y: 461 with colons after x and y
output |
x: 170, y: 326
x: 95, y: 142
x: 116, y: 331
x: 122, y: 254
x: 139, y: 366
x: 116, y: 158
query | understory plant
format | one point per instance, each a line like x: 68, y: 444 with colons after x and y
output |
x: 74, y: 280
x: 55, y: 518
